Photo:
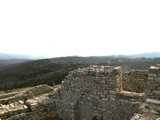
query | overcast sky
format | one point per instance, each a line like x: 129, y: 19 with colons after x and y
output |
x: 79, y: 27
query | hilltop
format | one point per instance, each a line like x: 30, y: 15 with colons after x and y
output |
x: 52, y: 71
x: 34, y: 73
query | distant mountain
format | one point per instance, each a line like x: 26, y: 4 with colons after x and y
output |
x: 145, y: 55
x: 7, y: 59
x: 10, y: 59
x: 102, y: 59
x: 79, y: 58
x: 8, y: 62
x: 20, y: 56
x: 16, y: 73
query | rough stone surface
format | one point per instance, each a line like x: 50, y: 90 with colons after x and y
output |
x: 28, y: 94
x: 153, y: 83
x: 32, y: 104
x: 134, y: 80
x: 95, y: 89
x: 150, y: 110
x: 93, y: 93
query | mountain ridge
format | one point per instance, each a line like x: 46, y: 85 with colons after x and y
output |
x: 34, y: 57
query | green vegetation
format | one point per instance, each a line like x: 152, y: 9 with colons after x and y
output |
x: 20, y: 89
x: 138, y: 63
x: 8, y: 62
x: 52, y: 71
x: 35, y: 73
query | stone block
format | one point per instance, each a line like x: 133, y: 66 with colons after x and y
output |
x: 156, y: 91
x: 153, y: 101
x: 112, y: 92
x: 151, y: 87
x: 105, y: 99
x: 152, y: 75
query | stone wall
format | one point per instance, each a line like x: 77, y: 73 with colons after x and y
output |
x: 92, y: 93
x: 27, y: 94
x: 153, y: 83
x: 32, y: 109
x: 134, y: 80
x: 32, y: 104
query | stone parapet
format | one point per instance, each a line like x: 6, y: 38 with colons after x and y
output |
x: 153, y: 83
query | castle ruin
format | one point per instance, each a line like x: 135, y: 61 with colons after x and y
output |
x: 92, y: 93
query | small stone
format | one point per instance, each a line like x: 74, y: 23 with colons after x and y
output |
x: 25, y: 107
x: 21, y: 102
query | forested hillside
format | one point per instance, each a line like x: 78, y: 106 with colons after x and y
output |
x: 139, y: 63
x: 52, y: 71
x: 35, y: 73
x: 126, y: 62
x: 9, y: 62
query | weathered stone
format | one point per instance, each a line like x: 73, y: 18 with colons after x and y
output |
x: 153, y: 101
x: 134, y: 80
x: 156, y: 91
x: 21, y: 102
x: 18, y: 109
x: 112, y: 92
x: 96, y: 92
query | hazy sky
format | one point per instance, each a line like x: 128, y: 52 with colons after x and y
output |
x: 79, y: 27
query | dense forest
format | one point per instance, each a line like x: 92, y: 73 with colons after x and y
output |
x: 127, y: 63
x: 35, y: 73
x: 138, y: 63
x: 9, y: 62
x: 52, y: 71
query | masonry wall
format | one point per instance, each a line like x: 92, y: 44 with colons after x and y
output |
x: 153, y: 83
x: 134, y: 80
x: 25, y: 95
x: 92, y: 93
x: 33, y: 111
x: 28, y: 105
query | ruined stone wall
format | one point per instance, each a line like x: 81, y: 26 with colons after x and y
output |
x: 93, y: 93
x: 28, y: 94
x: 121, y: 109
x: 33, y: 109
x: 134, y: 80
x: 32, y: 104
x: 153, y: 83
